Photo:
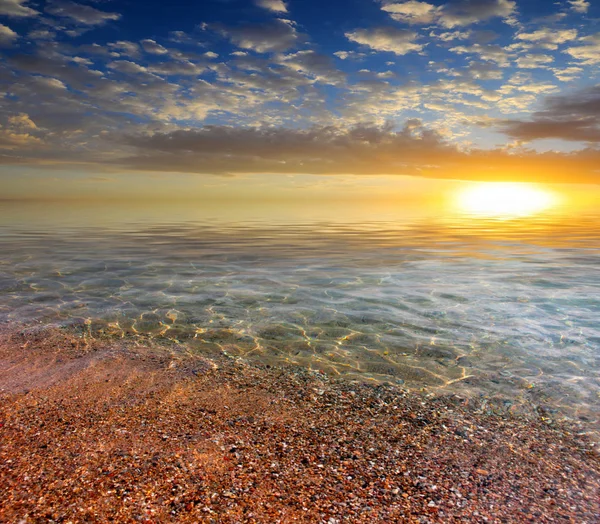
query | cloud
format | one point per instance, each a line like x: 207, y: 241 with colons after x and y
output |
x: 11, y: 140
x: 453, y: 14
x: 41, y: 34
x: 17, y: 133
x: 487, y: 52
x: 277, y: 6
x: 449, y: 36
x: 50, y: 83
x: 22, y: 121
x: 82, y: 14
x: 398, y: 41
x: 412, y: 12
x: 81, y: 61
x: 534, y: 61
x: 127, y: 67
x: 537, y: 88
x: 549, y: 36
x: 129, y: 94
x: 574, y: 117
x: 16, y: 8
x: 484, y: 71
x: 153, y: 48
x: 467, y: 12
x: 589, y: 52
x: 318, y: 150
x: 181, y: 37
x: 7, y: 36
x: 481, y: 36
x: 274, y: 36
x: 126, y: 48
x: 579, y: 6
x: 349, y: 55
x: 458, y: 13
x: 360, y: 150
x: 50, y: 65
x: 318, y: 66
x: 567, y: 74
x: 174, y: 68
x: 271, y: 87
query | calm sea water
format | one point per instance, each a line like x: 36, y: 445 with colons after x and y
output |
x: 502, y: 308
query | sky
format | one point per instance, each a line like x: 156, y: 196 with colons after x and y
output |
x: 270, y: 97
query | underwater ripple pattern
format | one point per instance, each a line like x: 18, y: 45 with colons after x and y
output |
x: 482, y: 308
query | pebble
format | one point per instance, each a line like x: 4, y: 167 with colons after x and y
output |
x: 237, y: 440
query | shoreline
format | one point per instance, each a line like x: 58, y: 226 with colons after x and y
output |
x: 95, y: 430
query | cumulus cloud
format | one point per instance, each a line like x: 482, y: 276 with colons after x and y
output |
x: 44, y: 83
x: 453, y: 14
x: 41, y: 34
x: 467, y: 12
x: 534, y: 61
x: 126, y: 48
x: 277, y: 6
x: 589, y: 52
x: 11, y: 140
x: 537, y: 88
x: 18, y: 132
x: 449, y: 36
x: 412, y: 12
x: 7, y: 36
x: 579, y: 6
x: 488, y: 52
x: 484, y: 71
x: 391, y: 39
x: 574, y: 117
x: 16, y: 8
x: 175, y: 68
x: 152, y: 47
x: 549, y: 36
x: 181, y: 37
x: 127, y: 67
x: 22, y: 121
x: 274, y: 36
x: 567, y: 74
x: 349, y: 55
x: 318, y: 66
x: 79, y: 13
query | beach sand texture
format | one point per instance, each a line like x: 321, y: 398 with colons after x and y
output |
x: 105, y: 431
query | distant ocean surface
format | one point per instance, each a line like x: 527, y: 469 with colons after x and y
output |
x: 508, y: 308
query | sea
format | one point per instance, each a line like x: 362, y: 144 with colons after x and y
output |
x: 502, y: 307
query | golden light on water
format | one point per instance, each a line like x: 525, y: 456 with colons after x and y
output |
x: 505, y: 200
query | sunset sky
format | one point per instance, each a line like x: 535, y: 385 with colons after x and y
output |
x: 271, y: 97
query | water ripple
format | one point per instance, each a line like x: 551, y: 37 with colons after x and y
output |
x: 508, y: 310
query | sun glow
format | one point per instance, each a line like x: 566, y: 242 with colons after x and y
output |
x: 505, y: 200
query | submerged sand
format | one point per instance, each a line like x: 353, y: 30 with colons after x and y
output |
x: 96, y: 431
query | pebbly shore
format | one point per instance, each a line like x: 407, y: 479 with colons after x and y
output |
x: 114, y: 431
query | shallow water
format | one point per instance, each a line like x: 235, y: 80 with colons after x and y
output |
x: 505, y: 308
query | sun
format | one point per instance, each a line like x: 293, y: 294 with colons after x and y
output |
x: 504, y: 200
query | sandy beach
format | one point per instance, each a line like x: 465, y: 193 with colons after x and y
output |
x: 112, y: 431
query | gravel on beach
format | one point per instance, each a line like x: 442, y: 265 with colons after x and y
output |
x: 113, y: 431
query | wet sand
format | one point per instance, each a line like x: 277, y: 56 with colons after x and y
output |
x: 111, y: 431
